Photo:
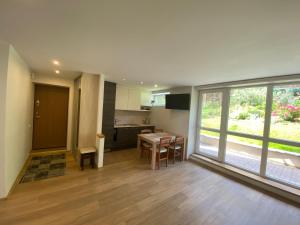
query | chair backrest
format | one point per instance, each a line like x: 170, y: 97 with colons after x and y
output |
x: 146, y: 131
x: 165, y: 142
x: 179, y: 140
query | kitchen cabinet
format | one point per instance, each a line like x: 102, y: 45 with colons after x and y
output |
x: 129, y: 98
x: 146, y: 97
x: 126, y: 137
x: 122, y: 93
x: 108, y: 113
x: 134, y: 99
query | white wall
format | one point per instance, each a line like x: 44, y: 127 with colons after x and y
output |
x: 4, y: 52
x: 88, y: 116
x: 192, y: 122
x: 18, y: 118
x: 58, y: 80
x: 180, y: 122
x: 100, y: 103
x: 100, y: 142
x: 174, y: 121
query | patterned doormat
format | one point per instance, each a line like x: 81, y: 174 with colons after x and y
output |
x: 43, y: 167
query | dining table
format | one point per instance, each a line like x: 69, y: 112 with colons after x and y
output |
x: 154, y: 140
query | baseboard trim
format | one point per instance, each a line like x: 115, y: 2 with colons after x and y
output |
x: 286, y: 192
x: 20, y: 175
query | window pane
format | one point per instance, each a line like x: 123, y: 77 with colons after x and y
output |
x: 247, y: 110
x: 159, y: 100
x: 243, y: 152
x: 211, y: 110
x: 285, y: 121
x: 284, y: 163
x: 209, y: 142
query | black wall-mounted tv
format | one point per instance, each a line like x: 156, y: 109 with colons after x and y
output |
x: 178, y: 101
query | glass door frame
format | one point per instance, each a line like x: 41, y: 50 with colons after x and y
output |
x: 223, y: 123
x: 265, y: 138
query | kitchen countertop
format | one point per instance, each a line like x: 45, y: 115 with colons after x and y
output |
x: 132, y: 125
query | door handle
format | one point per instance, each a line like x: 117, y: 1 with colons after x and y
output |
x: 37, y: 116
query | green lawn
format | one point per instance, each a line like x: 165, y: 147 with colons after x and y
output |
x: 282, y: 130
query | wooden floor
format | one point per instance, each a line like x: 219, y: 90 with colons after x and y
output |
x: 126, y: 191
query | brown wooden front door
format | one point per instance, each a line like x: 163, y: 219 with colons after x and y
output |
x: 50, y: 119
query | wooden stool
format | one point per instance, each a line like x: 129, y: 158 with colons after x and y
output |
x: 85, y: 153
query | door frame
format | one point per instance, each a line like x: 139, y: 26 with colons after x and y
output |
x: 223, y: 123
x: 68, y: 114
x: 265, y: 137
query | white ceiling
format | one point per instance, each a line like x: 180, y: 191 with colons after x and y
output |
x: 169, y: 42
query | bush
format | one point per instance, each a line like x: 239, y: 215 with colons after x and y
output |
x: 249, y: 97
x: 257, y: 112
x: 211, y: 110
x: 234, y: 127
x: 243, y: 116
x: 290, y: 113
x: 297, y: 102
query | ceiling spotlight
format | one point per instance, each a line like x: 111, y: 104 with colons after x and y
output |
x: 55, y: 62
x: 123, y: 78
x: 155, y: 85
x: 57, y: 71
x: 141, y: 82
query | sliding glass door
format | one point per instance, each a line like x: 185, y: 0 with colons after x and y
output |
x: 254, y: 128
x: 246, y: 127
x: 283, y: 161
x: 209, y: 129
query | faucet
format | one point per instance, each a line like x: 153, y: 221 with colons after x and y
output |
x: 116, y: 121
x: 146, y: 120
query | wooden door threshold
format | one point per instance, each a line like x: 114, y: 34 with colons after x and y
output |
x: 48, y: 151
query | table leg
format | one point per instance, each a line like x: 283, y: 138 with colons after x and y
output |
x: 81, y: 162
x: 153, y: 156
x: 183, y: 151
x: 139, y: 143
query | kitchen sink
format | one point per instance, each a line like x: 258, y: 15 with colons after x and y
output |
x: 128, y: 125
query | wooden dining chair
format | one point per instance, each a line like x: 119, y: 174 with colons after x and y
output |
x: 162, y: 152
x: 176, y: 148
x: 145, y: 146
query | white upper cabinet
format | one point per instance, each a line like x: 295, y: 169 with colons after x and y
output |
x: 122, y: 97
x: 129, y: 98
x: 134, y: 99
x: 146, y: 98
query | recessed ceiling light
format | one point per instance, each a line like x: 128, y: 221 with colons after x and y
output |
x: 57, y: 71
x: 55, y: 62
x: 123, y: 78
x: 155, y: 85
x: 141, y: 82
